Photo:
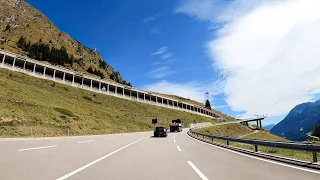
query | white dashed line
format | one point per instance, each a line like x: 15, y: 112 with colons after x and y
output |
x: 94, y: 162
x: 179, y: 148
x: 202, y: 176
x: 174, y: 141
x: 37, y: 148
x: 85, y: 141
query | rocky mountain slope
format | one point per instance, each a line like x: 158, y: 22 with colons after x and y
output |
x: 301, y: 120
x: 18, y: 18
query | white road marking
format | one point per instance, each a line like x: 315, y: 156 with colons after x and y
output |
x: 37, y: 148
x: 202, y: 176
x: 174, y: 141
x: 85, y: 141
x: 46, y: 138
x: 174, y: 136
x: 261, y: 159
x: 95, y: 161
x: 179, y: 148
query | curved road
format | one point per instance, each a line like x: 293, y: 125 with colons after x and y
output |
x: 134, y: 156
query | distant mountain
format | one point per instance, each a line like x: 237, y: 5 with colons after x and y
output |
x: 268, y: 127
x: 301, y: 120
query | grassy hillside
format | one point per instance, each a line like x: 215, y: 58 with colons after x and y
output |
x: 50, y: 109
x: 265, y: 135
x: 233, y: 130
x: 237, y: 130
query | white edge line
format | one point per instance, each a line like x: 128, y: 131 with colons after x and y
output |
x: 261, y: 159
x: 202, y: 176
x: 95, y: 161
x: 85, y: 141
x: 179, y: 148
x: 43, y: 147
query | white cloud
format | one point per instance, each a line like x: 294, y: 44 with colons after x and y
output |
x: 188, y: 90
x: 160, y: 51
x: 167, y: 55
x: 268, y: 49
x: 160, y: 72
x: 150, y: 18
x: 156, y: 30
x: 219, y: 106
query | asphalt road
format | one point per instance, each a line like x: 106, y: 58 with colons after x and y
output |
x: 134, y: 156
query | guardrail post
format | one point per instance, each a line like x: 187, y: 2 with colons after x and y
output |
x: 256, y: 148
x: 315, y: 158
x: 212, y: 139
x: 228, y: 143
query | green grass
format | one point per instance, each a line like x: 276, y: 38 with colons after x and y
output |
x: 233, y: 130
x: 236, y: 130
x: 49, y: 109
x: 265, y: 135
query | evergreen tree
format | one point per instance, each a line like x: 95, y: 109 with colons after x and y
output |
x: 7, y: 27
x: 316, y: 132
x: 112, y: 77
x: 21, y: 43
x: 90, y: 70
x: 103, y: 64
x: 208, y: 105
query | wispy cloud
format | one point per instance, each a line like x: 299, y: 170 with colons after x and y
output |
x: 268, y: 54
x: 156, y: 30
x: 160, y: 72
x: 150, y: 18
x: 160, y: 51
x: 167, y: 55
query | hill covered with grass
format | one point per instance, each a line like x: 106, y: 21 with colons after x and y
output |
x: 45, y: 108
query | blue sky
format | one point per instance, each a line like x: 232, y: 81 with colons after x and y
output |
x: 184, y: 48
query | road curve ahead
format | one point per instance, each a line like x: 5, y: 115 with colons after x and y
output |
x: 134, y: 156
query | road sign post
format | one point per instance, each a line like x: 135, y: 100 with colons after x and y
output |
x: 154, y: 122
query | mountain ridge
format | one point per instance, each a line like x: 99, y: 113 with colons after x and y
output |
x: 301, y: 120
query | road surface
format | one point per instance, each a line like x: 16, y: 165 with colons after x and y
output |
x: 134, y: 156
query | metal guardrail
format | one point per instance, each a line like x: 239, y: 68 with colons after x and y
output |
x: 314, y: 148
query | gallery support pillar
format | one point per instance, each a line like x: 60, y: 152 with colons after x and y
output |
x: 4, y: 57
x: 44, y: 71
